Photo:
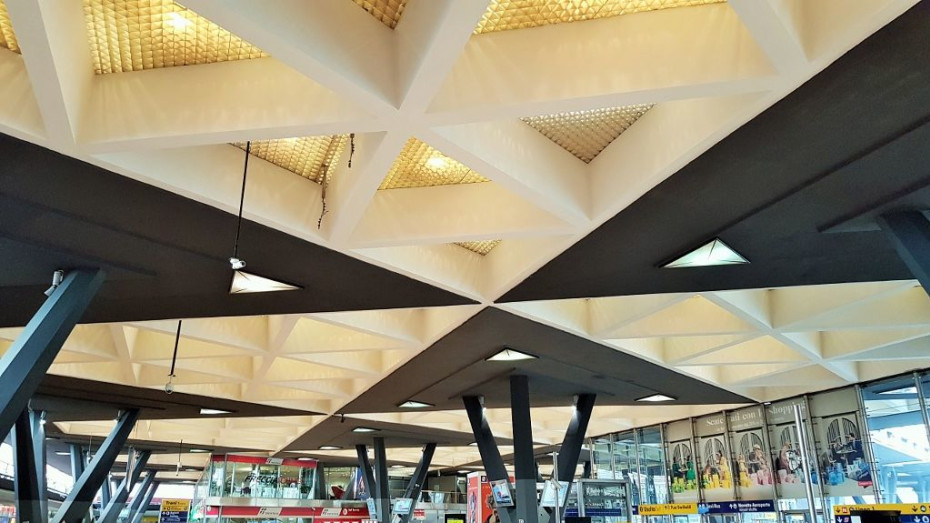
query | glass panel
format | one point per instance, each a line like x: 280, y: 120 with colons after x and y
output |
x: 624, y: 451
x: 680, y: 456
x: 602, y: 458
x: 652, y: 466
x: 899, y: 440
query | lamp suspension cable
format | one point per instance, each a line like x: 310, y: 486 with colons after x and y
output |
x: 235, y: 261
x: 169, y: 387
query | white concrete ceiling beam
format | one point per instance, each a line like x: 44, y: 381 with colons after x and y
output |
x: 19, y: 114
x: 772, y: 26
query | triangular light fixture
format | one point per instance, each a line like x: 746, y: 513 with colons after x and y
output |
x: 712, y: 253
x: 245, y: 282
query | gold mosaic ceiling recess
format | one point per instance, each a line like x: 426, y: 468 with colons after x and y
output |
x: 388, y: 12
x: 134, y: 35
x: 419, y: 165
x: 7, y: 38
x: 506, y: 15
x: 313, y: 157
x: 586, y: 133
x: 482, y: 247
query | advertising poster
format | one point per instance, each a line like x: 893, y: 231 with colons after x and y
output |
x: 844, y: 469
x: 752, y: 469
x: 480, y: 505
x: 681, y: 463
x: 174, y: 510
x: 786, y: 456
x: 714, y: 471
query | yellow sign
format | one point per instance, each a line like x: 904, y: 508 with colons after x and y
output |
x: 903, y: 508
x: 668, y: 509
x: 175, y: 505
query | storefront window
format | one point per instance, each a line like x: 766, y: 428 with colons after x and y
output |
x: 681, y: 463
x: 624, y: 451
x: 602, y: 458
x: 654, y: 487
x: 898, y: 434
x: 752, y: 468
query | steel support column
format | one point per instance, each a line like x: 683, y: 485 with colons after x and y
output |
x: 527, y: 510
x: 77, y: 461
x: 141, y: 493
x: 106, y: 491
x: 572, y: 443
x: 30, y: 356
x: 37, y: 422
x: 487, y: 447
x: 319, y: 482
x: 909, y: 232
x: 78, y: 502
x: 110, y: 513
x: 26, y: 485
x: 368, y: 477
x: 382, y: 493
x: 146, y: 501
x: 415, y: 486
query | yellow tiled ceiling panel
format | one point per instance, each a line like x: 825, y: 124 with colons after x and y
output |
x: 388, y: 12
x: 419, y: 165
x: 133, y: 35
x: 506, y: 15
x: 482, y: 247
x: 313, y: 157
x: 7, y: 38
x: 586, y: 133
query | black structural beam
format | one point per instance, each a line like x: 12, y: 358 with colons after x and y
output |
x: 319, y: 482
x: 77, y: 460
x: 146, y: 500
x: 141, y: 493
x: 368, y: 477
x: 415, y: 485
x: 26, y: 485
x: 572, y: 443
x: 487, y: 447
x: 106, y: 491
x: 110, y: 513
x: 79, y: 500
x: 28, y: 359
x: 382, y: 493
x: 909, y: 232
x: 37, y: 423
x: 527, y: 510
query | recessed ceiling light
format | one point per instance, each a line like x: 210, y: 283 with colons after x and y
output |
x: 656, y: 398
x: 190, y: 470
x: 509, y: 354
x: 397, y: 466
x: 62, y: 453
x: 712, y: 253
x: 198, y: 450
x: 436, y: 162
x: 213, y: 412
x: 305, y: 458
x: 330, y: 447
x: 246, y: 282
x: 177, y: 21
x: 463, y: 471
x: 411, y: 404
x: 365, y: 429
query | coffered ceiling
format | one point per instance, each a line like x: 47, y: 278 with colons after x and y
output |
x: 445, y: 178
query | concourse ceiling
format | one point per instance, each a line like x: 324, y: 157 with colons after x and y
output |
x: 446, y: 178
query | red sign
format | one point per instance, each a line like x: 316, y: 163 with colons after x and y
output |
x: 259, y: 460
x: 334, y: 515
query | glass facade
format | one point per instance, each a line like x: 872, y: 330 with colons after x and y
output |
x: 258, y: 477
x: 868, y: 444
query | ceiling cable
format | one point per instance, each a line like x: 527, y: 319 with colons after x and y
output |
x: 235, y: 261
x: 351, y: 148
x: 177, y: 472
x: 169, y: 387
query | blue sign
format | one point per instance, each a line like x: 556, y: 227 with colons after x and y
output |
x: 737, y: 507
x: 904, y: 518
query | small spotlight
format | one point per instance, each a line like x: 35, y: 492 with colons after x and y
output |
x: 509, y: 354
x: 62, y: 453
x: 655, y: 398
x: 330, y: 447
x: 198, y: 450
x: 365, y: 429
x: 213, y: 412
x: 436, y: 162
x: 57, y: 277
x: 236, y: 263
x: 411, y: 404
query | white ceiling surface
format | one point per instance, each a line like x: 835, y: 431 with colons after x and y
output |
x: 708, y: 69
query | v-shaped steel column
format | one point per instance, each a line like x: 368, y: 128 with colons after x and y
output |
x: 527, y: 509
x: 368, y: 477
x: 146, y: 501
x: 110, y: 513
x: 382, y: 493
x: 27, y: 484
x: 487, y: 447
x: 415, y: 486
x: 141, y: 495
x: 27, y: 361
x: 571, y: 445
x: 78, y: 502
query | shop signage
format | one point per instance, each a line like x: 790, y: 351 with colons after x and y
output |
x: 174, y: 510
x: 269, y: 511
x: 666, y: 509
x: 274, y: 461
x: 783, y: 412
x: 343, y: 514
x: 734, y: 507
x: 746, y: 419
x: 711, y: 425
x: 903, y: 508
x: 678, y: 430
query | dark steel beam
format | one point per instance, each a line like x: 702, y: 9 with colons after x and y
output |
x: 79, y: 500
x: 26, y: 486
x: 487, y: 447
x: 146, y: 501
x: 106, y: 491
x: 140, y: 495
x: 909, y: 232
x: 110, y: 513
x: 415, y: 485
x: 382, y: 493
x: 37, y: 422
x: 319, y: 482
x: 368, y: 477
x: 527, y: 510
x: 77, y: 460
x: 30, y: 356
x: 572, y: 443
